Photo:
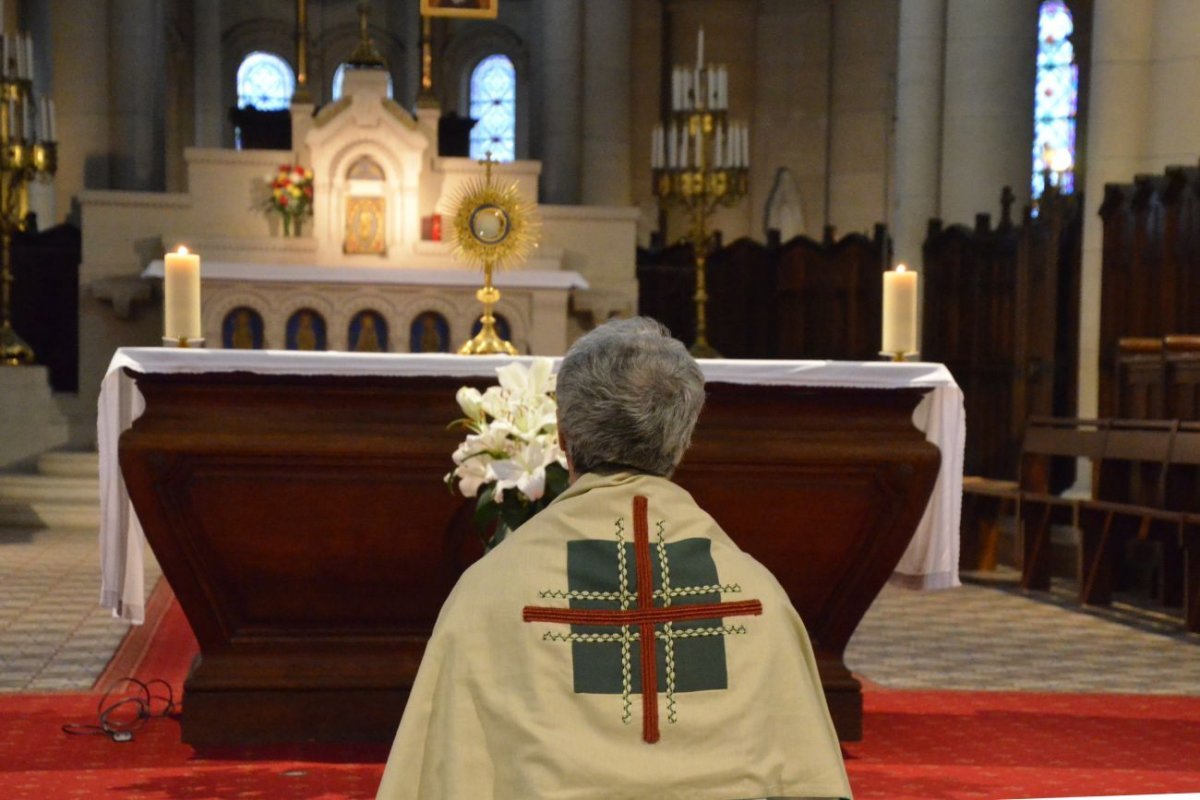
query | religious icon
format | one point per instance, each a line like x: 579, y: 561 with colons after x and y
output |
x: 368, y: 333
x: 306, y: 330
x: 479, y: 9
x: 430, y: 333
x: 365, y: 226
x: 242, y: 329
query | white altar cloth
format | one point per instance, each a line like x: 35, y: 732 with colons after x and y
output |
x: 930, y: 562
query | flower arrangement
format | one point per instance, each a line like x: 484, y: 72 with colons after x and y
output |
x: 510, y: 459
x: 291, y: 195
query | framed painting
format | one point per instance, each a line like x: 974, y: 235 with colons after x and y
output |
x: 477, y: 9
x: 365, y: 226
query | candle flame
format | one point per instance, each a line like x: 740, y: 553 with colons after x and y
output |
x: 901, y: 268
x: 183, y: 251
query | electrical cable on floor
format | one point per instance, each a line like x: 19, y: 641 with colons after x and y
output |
x: 120, y: 716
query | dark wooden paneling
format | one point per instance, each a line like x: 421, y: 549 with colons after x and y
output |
x: 304, y: 527
x: 1150, y: 265
x: 1001, y: 311
x: 800, y: 299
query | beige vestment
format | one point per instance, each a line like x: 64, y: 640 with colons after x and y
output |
x: 509, y: 703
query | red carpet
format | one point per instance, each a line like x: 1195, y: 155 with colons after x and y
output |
x: 952, y: 745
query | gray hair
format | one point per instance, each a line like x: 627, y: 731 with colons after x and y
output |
x: 628, y: 396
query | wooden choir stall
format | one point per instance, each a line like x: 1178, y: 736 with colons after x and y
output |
x: 295, y: 503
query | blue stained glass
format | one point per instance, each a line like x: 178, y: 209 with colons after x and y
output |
x: 494, y: 104
x: 1056, y: 98
x: 339, y: 75
x: 265, y: 81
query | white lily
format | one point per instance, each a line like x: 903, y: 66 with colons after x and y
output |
x: 471, y: 403
x: 536, y: 379
x: 525, y: 471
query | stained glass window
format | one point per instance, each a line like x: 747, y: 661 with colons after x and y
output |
x: 1055, y: 100
x: 265, y: 81
x: 494, y: 104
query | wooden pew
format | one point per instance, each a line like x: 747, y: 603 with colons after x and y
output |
x: 1183, y: 494
x: 1129, y: 502
x: 1047, y: 439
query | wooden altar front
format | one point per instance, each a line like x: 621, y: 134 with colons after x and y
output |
x: 302, y: 522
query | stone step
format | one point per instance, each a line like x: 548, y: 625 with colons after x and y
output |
x: 69, y: 463
x: 49, y: 515
x: 19, y: 488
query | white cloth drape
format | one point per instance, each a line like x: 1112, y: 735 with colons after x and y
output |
x: 931, y: 561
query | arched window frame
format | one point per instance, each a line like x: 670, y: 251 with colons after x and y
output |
x: 284, y: 99
x: 472, y: 43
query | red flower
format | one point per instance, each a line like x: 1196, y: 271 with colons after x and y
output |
x: 283, y: 201
x: 299, y: 170
x: 308, y: 190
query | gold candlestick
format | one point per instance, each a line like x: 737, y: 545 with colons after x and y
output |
x: 700, y: 162
x: 487, y: 342
x: 27, y: 152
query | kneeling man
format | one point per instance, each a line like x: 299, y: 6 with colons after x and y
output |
x: 619, y: 644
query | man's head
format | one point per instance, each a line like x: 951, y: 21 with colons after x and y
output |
x: 628, y: 396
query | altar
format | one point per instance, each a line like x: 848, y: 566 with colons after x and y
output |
x: 296, y: 506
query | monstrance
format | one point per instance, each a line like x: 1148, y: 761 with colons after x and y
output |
x: 493, y: 227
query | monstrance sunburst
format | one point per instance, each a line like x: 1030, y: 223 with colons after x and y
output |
x: 494, y: 228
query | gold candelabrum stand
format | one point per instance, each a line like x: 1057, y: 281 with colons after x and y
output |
x: 487, y: 342
x: 27, y: 152
x: 700, y: 161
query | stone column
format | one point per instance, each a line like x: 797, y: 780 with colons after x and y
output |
x: 1120, y: 100
x: 991, y: 46
x: 208, y: 116
x: 136, y: 94
x: 1173, y: 134
x: 561, y: 31
x: 606, y: 93
x: 917, y: 161
x: 79, y: 57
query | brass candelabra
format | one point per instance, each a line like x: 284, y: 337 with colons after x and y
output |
x: 700, y: 161
x: 28, y: 152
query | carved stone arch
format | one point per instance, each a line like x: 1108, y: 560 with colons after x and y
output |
x: 455, y: 310
x: 393, y: 181
x: 337, y: 42
x: 470, y: 45
x: 225, y: 299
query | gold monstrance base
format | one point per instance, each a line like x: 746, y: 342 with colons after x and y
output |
x: 487, y: 342
x: 14, y: 352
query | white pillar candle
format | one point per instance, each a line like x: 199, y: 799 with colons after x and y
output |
x: 900, y: 311
x: 683, y: 148
x: 29, y: 56
x: 718, y: 157
x: 746, y: 146
x: 181, y: 295
x: 699, y: 92
x: 700, y: 145
x: 672, y: 148
x: 723, y: 87
x: 53, y: 122
x: 675, y: 89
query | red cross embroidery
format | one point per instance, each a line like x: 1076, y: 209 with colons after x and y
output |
x: 645, y: 617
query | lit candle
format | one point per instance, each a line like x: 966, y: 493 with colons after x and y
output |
x: 900, y: 311
x: 181, y: 295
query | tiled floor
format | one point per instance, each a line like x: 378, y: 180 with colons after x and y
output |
x: 984, y: 635
x: 53, y: 634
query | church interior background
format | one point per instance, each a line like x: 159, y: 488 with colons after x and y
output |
x: 873, y: 132
x: 1035, y: 161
